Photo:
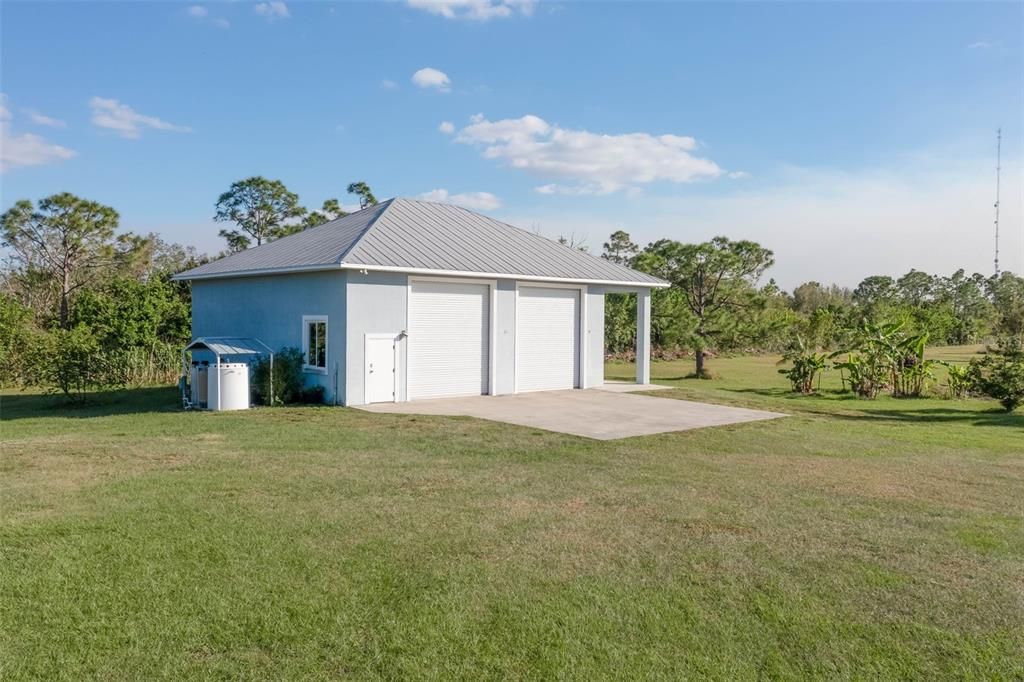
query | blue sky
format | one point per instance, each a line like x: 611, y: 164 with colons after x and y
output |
x: 851, y: 138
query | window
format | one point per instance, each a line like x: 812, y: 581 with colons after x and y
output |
x: 314, y: 343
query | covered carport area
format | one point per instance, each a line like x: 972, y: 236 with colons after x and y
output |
x: 642, y: 339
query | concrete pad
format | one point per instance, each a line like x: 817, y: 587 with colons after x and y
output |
x: 593, y: 413
x: 625, y: 387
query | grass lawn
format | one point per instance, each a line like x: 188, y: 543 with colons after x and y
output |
x: 870, y: 540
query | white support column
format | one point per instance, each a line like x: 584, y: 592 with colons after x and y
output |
x: 643, y: 336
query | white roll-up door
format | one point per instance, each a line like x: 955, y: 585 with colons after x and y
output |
x: 449, y: 339
x: 547, y: 339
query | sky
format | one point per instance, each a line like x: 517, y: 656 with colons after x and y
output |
x: 850, y: 138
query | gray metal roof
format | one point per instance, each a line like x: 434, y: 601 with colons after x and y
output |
x: 408, y: 234
x: 230, y: 345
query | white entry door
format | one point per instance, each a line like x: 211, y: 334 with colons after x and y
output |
x: 381, y: 370
x: 449, y: 339
x: 547, y: 339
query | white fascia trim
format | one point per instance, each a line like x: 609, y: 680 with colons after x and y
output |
x: 419, y: 271
x: 497, y: 275
x: 256, y: 273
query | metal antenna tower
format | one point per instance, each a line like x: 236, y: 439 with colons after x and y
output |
x: 999, y: 146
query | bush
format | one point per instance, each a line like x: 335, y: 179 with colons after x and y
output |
x: 18, y: 338
x: 71, y: 360
x: 288, y: 380
x: 958, y: 380
x: 313, y: 395
x: 999, y: 373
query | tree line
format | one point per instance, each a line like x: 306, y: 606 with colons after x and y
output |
x: 717, y: 303
x: 83, y: 305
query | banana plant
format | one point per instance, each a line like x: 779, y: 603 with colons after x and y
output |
x: 884, y: 358
x: 807, y: 366
x: 958, y: 380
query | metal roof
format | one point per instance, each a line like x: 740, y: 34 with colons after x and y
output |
x: 408, y: 234
x: 230, y: 345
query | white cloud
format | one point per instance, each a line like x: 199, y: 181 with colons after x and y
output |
x: 474, y: 10
x: 432, y: 78
x: 447, y: 127
x: 593, y: 163
x: 932, y: 212
x: 43, y: 120
x: 388, y: 85
x: 738, y: 175
x: 27, y: 149
x: 125, y: 121
x: 275, y: 9
x: 980, y: 45
x: 478, y: 201
x: 200, y: 13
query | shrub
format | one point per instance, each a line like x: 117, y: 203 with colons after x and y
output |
x: 999, y: 373
x: 288, y: 381
x: 958, y: 380
x: 71, y: 360
x: 312, y: 395
x: 18, y: 338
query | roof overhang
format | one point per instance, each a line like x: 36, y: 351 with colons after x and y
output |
x: 230, y: 345
x: 660, y: 284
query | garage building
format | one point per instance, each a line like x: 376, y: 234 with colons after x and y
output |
x: 410, y: 300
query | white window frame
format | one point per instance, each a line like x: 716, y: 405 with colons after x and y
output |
x: 584, y: 291
x: 306, y: 321
x: 492, y: 319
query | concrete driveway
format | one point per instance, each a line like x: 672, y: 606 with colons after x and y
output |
x: 603, y: 414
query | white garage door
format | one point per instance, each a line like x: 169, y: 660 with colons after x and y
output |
x: 449, y: 333
x: 547, y: 339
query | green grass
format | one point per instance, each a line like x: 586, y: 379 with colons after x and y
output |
x: 853, y: 539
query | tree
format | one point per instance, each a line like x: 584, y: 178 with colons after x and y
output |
x: 1007, y: 294
x: 874, y: 290
x: 259, y: 207
x: 573, y: 242
x: 970, y: 311
x: 620, y: 309
x: 999, y: 373
x: 716, y: 280
x: 916, y: 288
x: 812, y: 296
x: 331, y: 210
x: 620, y: 248
x: 362, y: 190
x: 65, y: 241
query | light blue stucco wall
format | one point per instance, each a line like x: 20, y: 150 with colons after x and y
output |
x: 357, y: 304
x: 271, y: 309
x: 377, y: 303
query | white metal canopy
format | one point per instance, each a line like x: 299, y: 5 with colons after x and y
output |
x: 230, y: 345
x: 225, y: 345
